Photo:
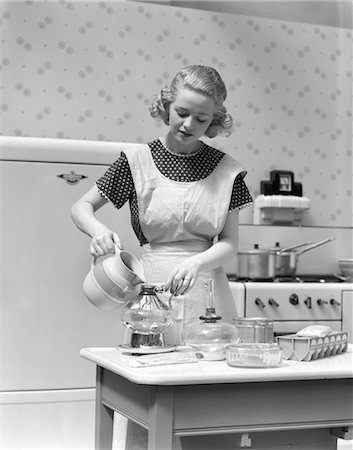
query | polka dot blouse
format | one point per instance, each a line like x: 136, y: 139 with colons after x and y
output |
x: 117, y: 185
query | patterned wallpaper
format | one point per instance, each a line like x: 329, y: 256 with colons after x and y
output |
x: 88, y: 70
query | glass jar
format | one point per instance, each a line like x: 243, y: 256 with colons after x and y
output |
x: 254, y: 329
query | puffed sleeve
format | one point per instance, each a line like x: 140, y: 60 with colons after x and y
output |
x: 241, y: 196
x: 117, y: 185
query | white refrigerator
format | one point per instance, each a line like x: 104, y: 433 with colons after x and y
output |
x: 47, y: 389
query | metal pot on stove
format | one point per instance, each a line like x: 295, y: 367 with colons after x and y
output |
x: 257, y: 264
x: 287, y: 258
x: 268, y: 264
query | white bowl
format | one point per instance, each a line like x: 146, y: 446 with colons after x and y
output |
x: 346, y: 266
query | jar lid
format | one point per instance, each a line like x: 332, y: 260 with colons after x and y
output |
x: 253, y: 320
x: 253, y: 346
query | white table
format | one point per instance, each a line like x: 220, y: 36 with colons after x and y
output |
x: 310, y: 400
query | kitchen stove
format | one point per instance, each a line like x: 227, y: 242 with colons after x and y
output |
x: 297, y: 279
x: 296, y: 303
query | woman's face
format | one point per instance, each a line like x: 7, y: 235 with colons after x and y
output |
x: 190, y: 115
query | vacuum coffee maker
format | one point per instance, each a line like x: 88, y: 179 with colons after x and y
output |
x: 147, y: 317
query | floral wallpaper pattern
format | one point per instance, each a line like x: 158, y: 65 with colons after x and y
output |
x: 88, y: 70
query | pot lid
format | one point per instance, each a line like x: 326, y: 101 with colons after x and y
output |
x: 256, y: 250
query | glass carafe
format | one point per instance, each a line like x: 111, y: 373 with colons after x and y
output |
x: 147, y: 316
x: 209, y: 338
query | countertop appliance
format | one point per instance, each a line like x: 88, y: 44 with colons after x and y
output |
x: 47, y: 390
x: 296, y: 303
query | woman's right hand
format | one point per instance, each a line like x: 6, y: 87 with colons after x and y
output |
x: 103, y: 243
x: 83, y: 214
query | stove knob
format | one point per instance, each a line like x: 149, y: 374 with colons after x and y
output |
x: 308, y: 302
x: 321, y: 302
x: 334, y: 302
x: 273, y: 302
x: 294, y: 299
x: 259, y: 302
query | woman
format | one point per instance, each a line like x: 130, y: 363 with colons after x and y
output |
x: 184, y: 198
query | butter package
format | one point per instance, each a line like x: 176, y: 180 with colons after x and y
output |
x: 314, y: 331
x: 306, y: 348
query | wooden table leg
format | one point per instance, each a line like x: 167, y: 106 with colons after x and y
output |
x: 104, y: 418
x: 160, y: 434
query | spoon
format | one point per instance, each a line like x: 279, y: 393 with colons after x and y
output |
x: 170, y: 300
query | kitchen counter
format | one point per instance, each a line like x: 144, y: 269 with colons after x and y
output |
x: 204, y: 372
x: 302, y: 404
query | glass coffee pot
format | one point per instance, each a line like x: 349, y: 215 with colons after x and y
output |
x: 209, y: 338
x: 147, y: 316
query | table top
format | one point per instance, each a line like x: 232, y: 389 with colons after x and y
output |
x: 210, y: 372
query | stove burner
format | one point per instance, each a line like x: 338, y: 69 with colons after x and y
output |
x: 312, y: 279
x: 297, y: 279
x: 306, y: 279
x: 288, y: 280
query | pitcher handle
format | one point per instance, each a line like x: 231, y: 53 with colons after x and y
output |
x: 94, y: 257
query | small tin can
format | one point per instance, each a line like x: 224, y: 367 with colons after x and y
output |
x: 254, y: 329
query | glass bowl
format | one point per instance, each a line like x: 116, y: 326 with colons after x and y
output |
x: 254, y: 355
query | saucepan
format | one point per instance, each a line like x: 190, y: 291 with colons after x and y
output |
x: 287, y: 258
x: 257, y: 264
x: 268, y: 264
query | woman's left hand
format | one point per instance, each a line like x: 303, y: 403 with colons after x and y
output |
x: 183, y: 277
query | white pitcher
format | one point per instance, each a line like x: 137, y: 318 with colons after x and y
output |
x: 113, y: 280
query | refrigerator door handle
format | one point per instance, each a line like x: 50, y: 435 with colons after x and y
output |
x: 72, y: 177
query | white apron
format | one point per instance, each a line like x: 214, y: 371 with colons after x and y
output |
x: 180, y: 219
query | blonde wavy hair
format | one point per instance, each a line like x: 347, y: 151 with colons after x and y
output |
x: 205, y: 80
